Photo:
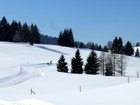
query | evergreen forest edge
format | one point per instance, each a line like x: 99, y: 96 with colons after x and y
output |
x: 17, y: 32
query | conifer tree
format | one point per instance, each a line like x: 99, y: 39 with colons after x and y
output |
x: 128, y: 49
x: 13, y: 29
x: 25, y: 32
x: 71, y: 38
x: 4, y: 30
x: 105, y: 49
x: 60, y: 39
x: 92, y: 65
x: 66, y: 38
x: 62, y: 65
x: 77, y: 63
x: 120, y: 46
x: 114, y: 48
x: 137, y: 53
x: 18, y: 33
x: 34, y: 35
x: 117, y: 46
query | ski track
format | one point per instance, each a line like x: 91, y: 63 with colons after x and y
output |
x: 26, y: 72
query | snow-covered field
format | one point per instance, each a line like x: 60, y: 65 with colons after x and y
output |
x: 24, y: 68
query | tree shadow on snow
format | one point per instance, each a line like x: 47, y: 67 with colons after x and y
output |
x: 53, y: 50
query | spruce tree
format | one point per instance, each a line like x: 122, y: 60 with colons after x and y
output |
x: 62, y: 65
x: 25, y: 32
x: 60, y: 39
x: 92, y: 65
x: 66, y: 38
x: 34, y: 35
x: 114, y: 48
x: 128, y: 49
x: 137, y: 53
x: 120, y: 46
x: 77, y: 63
x: 18, y: 33
x: 13, y: 29
x: 4, y: 30
x: 71, y: 38
x: 105, y: 49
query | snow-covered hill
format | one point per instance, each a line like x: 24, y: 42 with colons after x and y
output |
x: 24, y: 68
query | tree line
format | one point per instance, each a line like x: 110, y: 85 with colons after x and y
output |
x: 108, y: 64
x: 116, y: 46
x: 111, y: 62
x: 16, y: 32
x: 66, y: 38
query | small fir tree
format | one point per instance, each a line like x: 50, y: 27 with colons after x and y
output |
x: 92, y: 65
x: 128, y: 49
x: 77, y: 63
x: 62, y: 65
x: 137, y: 54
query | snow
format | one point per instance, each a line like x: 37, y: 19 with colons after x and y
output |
x: 25, y: 102
x: 24, y: 68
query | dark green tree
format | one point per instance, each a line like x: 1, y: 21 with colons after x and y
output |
x: 77, y: 63
x: 60, y: 39
x: 34, y: 35
x: 62, y: 65
x: 66, y: 38
x: 99, y: 48
x: 92, y: 65
x: 25, y: 32
x: 114, y: 45
x: 137, y: 53
x: 4, y: 30
x: 105, y: 49
x: 71, y: 38
x: 128, y: 49
x: 18, y: 33
x: 137, y: 44
x: 117, y: 46
x: 120, y: 46
x: 14, y: 25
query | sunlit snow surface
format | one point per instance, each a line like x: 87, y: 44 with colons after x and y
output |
x: 24, y: 68
x: 25, y: 102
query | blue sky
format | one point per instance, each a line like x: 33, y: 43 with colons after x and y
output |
x: 91, y: 20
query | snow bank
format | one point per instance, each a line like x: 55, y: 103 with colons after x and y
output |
x: 25, y: 102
